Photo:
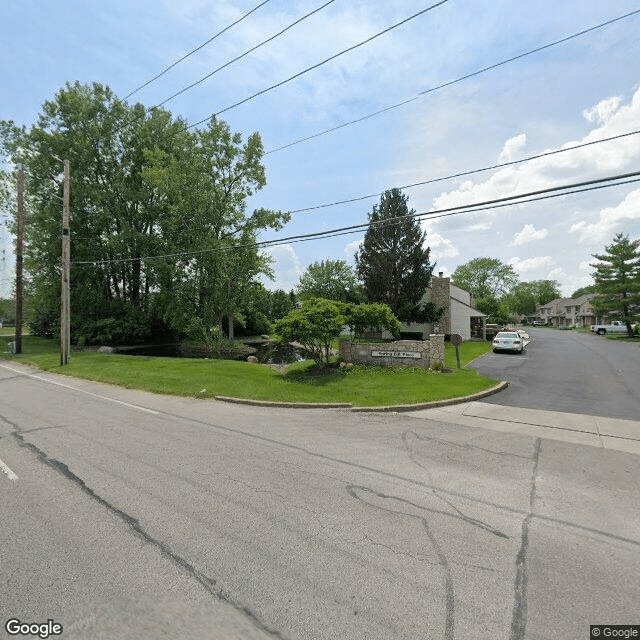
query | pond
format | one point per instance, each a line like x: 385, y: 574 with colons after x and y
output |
x: 266, y: 352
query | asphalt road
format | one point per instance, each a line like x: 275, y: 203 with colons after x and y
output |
x: 129, y: 515
x: 569, y: 371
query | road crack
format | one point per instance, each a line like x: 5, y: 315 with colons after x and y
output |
x: 210, y: 584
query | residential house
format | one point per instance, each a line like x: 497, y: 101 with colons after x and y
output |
x: 460, y: 314
x: 566, y: 312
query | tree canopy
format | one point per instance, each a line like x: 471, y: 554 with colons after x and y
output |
x: 488, y: 280
x: 524, y: 297
x: 330, y: 279
x: 617, y: 281
x: 319, y: 321
x: 159, y: 227
x: 393, y: 261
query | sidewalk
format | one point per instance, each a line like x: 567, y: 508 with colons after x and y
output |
x: 595, y: 431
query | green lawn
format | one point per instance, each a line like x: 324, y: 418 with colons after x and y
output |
x: 361, y: 386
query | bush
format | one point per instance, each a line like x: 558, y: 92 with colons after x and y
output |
x: 314, y: 326
x: 122, y: 324
x: 320, y: 321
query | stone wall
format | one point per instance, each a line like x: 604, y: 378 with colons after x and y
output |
x: 415, y: 353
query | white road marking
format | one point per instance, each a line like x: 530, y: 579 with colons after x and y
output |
x: 89, y: 393
x: 12, y: 476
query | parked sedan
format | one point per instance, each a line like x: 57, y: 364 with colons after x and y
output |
x: 508, y: 341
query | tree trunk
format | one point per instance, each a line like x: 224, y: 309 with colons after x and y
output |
x: 231, y: 336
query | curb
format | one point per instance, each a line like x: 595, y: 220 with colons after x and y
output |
x: 289, y: 405
x: 347, y: 405
x: 434, y: 404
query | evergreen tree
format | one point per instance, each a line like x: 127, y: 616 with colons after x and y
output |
x: 617, y: 280
x: 393, y: 262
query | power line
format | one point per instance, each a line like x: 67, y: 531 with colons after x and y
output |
x: 319, y: 64
x: 421, y: 183
x: 495, y: 203
x: 451, y: 82
x: 468, y: 173
x: 204, y: 44
x: 246, y: 53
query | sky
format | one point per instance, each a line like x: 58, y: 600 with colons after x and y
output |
x: 581, y: 90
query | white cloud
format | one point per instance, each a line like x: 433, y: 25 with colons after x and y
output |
x: 441, y: 247
x: 351, y: 248
x: 286, y: 266
x: 603, y: 111
x: 563, y: 167
x: 528, y: 265
x: 609, y: 220
x: 512, y: 147
x: 528, y: 234
x: 572, y: 280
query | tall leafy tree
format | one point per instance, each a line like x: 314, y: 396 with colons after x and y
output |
x: 525, y: 296
x: 617, y: 280
x: 142, y: 185
x: 393, y: 261
x: 330, y: 279
x: 487, y: 279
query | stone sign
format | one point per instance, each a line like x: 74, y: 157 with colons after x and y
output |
x: 408, y: 353
x: 396, y: 354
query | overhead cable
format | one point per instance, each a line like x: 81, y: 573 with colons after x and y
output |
x: 319, y: 64
x: 451, y: 82
x: 469, y: 173
x: 204, y: 44
x: 495, y: 203
x: 246, y: 53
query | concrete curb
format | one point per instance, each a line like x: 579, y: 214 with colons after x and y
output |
x: 434, y: 404
x: 347, y: 405
x: 288, y: 405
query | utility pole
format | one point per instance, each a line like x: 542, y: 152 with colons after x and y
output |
x: 19, y: 261
x: 65, y: 315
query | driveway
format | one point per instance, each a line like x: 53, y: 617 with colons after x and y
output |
x: 571, y: 372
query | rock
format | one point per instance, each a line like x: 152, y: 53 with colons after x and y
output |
x: 105, y: 350
x: 265, y: 337
x: 252, y: 359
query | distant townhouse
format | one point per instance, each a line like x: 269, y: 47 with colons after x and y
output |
x: 567, y: 312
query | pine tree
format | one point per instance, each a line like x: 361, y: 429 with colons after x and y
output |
x: 617, y: 278
x: 393, y: 261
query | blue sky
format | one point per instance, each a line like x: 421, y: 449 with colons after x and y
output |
x: 582, y: 90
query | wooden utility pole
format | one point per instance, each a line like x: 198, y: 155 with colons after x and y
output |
x: 19, y: 261
x: 65, y: 315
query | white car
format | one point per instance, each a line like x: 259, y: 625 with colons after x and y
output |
x: 508, y: 341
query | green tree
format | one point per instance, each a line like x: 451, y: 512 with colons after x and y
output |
x: 319, y: 321
x: 142, y: 184
x: 485, y: 278
x: 314, y: 326
x: 330, y: 279
x: 523, y: 298
x: 361, y: 317
x: 393, y: 261
x: 591, y: 288
x: 617, y: 281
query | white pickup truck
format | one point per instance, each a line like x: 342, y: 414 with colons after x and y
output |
x: 615, y: 327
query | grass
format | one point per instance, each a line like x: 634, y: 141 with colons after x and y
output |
x: 10, y: 331
x: 361, y: 386
x: 623, y: 337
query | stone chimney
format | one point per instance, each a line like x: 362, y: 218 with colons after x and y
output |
x: 441, y: 297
